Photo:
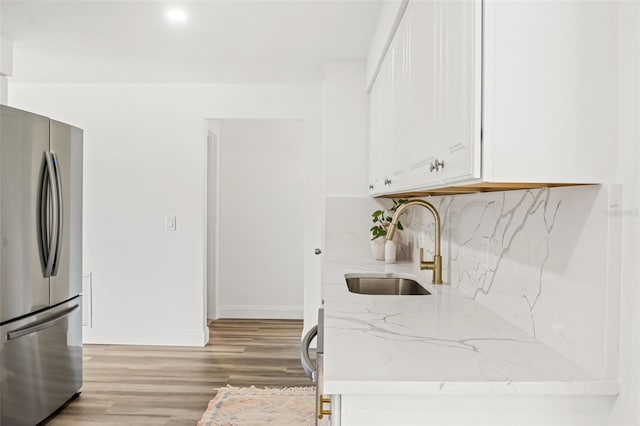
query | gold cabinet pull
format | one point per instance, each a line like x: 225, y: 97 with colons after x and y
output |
x: 321, y: 411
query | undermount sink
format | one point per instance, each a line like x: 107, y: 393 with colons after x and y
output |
x: 384, y: 284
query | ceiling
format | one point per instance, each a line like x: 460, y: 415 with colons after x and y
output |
x: 220, y: 42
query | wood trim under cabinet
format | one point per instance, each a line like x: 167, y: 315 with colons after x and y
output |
x: 478, y: 187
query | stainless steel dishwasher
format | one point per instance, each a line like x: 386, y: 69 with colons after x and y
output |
x: 315, y: 373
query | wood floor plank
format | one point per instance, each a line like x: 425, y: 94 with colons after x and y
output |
x: 172, y: 386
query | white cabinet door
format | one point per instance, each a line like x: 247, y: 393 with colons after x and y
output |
x: 386, y: 148
x: 459, y: 103
x: 445, y: 91
x: 425, y: 98
x: 389, y: 111
x: 400, y: 92
x: 375, y: 139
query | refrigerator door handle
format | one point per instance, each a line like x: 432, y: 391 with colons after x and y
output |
x: 53, y: 236
x: 42, y: 223
x: 59, y: 216
x: 41, y: 325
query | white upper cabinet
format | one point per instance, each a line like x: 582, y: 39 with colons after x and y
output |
x: 400, y: 92
x: 381, y: 134
x: 550, y: 91
x: 460, y: 86
x: 526, y: 97
x: 444, y: 119
x: 389, y: 107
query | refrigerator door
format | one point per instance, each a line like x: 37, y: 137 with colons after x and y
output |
x: 24, y: 138
x: 41, y: 359
x: 66, y: 151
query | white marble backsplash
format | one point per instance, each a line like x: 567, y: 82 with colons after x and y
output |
x: 539, y: 258
x: 347, y: 224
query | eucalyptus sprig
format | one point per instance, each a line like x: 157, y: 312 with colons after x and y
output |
x: 382, y: 220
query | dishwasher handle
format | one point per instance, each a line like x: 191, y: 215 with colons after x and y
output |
x: 305, y: 358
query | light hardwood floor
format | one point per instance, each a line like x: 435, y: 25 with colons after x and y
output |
x: 153, y: 385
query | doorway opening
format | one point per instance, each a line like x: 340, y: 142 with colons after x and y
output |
x: 255, y: 219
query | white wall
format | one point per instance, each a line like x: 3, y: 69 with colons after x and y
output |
x: 4, y: 90
x: 345, y: 131
x: 628, y: 404
x: 6, y: 66
x: 347, y: 231
x: 145, y: 158
x: 345, y: 165
x: 261, y: 219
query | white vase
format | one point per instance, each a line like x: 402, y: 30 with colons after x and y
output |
x: 397, y: 239
x: 390, y: 251
x: 377, y: 248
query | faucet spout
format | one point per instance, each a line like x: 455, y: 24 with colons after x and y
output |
x: 436, y: 264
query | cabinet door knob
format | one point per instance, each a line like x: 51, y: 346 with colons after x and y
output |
x: 317, y: 251
x: 387, y: 181
x: 370, y: 187
x: 436, y: 165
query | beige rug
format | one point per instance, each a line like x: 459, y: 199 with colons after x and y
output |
x: 253, y: 406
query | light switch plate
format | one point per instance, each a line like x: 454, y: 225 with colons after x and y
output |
x: 171, y: 223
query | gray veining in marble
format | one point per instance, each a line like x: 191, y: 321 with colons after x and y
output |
x: 523, y: 254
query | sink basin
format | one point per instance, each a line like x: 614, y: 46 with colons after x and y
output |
x: 384, y: 284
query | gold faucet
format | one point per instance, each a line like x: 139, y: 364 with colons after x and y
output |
x: 436, y: 264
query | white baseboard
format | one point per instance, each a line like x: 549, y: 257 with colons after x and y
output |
x: 260, y: 312
x: 145, y: 337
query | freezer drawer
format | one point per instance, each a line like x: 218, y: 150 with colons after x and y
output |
x: 41, y: 358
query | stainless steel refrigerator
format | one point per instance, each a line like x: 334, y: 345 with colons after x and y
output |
x: 40, y: 266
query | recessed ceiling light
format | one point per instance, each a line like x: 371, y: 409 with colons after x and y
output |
x: 176, y: 15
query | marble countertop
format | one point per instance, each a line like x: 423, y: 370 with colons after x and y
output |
x: 443, y: 343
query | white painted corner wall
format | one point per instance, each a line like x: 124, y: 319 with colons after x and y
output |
x: 345, y: 131
x: 344, y: 163
x: 144, y: 159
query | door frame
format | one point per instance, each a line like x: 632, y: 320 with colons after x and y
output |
x: 211, y: 230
